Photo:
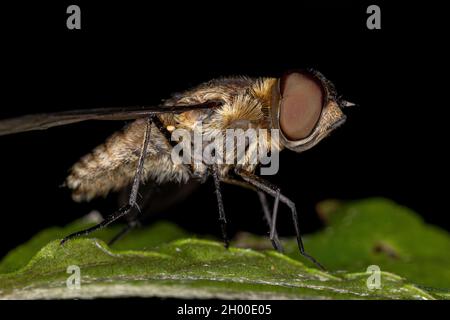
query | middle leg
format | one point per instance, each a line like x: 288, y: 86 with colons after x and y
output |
x: 222, y: 217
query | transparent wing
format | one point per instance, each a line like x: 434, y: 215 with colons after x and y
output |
x: 47, y: 120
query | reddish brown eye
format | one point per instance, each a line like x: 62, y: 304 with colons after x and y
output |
x: 301, y: 106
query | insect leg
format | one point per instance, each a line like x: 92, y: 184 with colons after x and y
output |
x: 222, y: 218
x: 267, y: 187
x: 133, y: 217
x: 133, y: 223
x: 265, y: 206
x: 124, y: 210
x: 273, y: 231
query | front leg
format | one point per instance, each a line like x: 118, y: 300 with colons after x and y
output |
x: 274, y: 191
x: 276, y: 243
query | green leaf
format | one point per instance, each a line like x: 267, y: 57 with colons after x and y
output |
x: 186, y: 268
x: 162, y: 261
x: 380, y: 232
x: 160, y: 232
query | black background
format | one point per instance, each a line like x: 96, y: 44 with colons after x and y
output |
x: 393, y: 145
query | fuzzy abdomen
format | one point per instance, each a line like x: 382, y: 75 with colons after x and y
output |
x: 112, y: 165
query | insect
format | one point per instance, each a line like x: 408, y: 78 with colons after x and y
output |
x: 302, y: 105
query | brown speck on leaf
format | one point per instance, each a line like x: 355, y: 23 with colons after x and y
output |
x: 385, y: 248
x: 325, y: 208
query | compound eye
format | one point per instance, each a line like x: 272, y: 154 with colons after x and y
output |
x: 302, y: 99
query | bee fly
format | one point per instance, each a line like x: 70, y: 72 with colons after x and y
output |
x: 302, y: 105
